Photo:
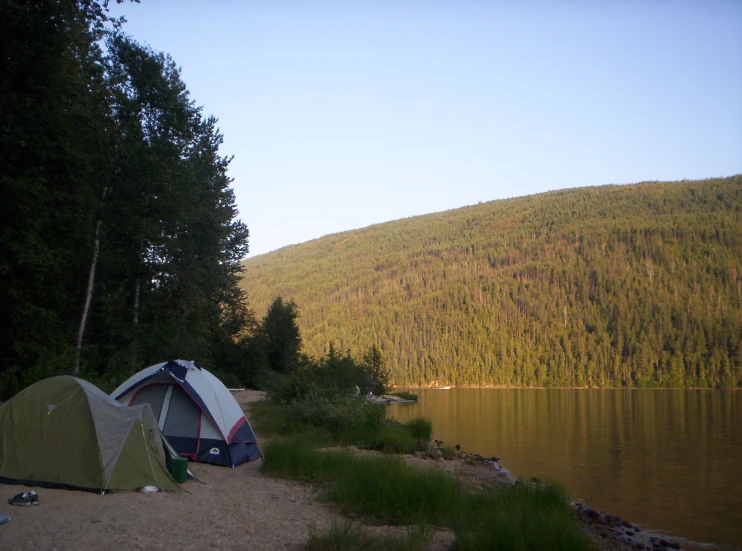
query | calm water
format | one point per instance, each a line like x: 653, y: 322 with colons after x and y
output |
x: 669, y: 460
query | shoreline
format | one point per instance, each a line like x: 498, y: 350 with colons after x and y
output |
x: 506, y: 387
x: 608, y: 532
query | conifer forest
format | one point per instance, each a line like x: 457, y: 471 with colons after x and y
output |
x: 614, y: 286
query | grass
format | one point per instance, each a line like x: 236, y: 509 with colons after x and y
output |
x: 345, y: 535
x: 421, y: 428
x: 523, y: 517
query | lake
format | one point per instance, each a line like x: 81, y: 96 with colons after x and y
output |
x: 668, y: 460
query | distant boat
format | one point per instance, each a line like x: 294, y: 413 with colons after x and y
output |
x: 441, y: 388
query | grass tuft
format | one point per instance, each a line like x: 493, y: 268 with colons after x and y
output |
x: 421, y: 429
x: 448, y: 452
x: 345, y: 535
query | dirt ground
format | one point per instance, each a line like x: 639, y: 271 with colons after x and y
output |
x: 235, y: 509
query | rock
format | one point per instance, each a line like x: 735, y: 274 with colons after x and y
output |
x: 593, y: 515
x: 435, y: 453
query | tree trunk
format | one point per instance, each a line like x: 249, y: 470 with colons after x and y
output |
x: 91, y: 280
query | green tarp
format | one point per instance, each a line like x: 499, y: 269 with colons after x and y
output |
x: 65, y: 431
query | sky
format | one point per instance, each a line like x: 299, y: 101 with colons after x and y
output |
x: 341, y: 114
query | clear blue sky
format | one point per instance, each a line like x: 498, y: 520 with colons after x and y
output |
x: 346, y: 113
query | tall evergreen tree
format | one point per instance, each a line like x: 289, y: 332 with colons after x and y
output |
x: 280, y: 334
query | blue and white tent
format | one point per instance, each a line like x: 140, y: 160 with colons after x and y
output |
x: 195, y: 411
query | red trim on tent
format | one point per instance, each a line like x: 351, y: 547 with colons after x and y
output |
x: 235, y: 428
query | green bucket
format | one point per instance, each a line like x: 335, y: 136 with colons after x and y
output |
x: 179, y: 469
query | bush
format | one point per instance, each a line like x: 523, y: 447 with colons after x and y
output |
x: 328, y: 396
x: 335, y: 413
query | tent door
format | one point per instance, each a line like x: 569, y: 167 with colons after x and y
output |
x: 165, y: 407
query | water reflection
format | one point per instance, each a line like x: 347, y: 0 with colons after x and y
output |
x: 669, y: 460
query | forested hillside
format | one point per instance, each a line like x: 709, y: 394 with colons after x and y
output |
x: 636, y: 286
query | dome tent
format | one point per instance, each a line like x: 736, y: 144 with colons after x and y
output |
x: 64, y: 431
x: 195, y: 411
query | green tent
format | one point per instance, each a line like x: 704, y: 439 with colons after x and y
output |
x: 64, y: 431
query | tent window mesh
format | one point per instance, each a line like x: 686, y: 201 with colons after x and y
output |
x: 152, y: 395
x: 183, y: 415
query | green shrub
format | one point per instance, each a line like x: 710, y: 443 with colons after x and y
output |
x: 331, y: 376
x: 336, y: 413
